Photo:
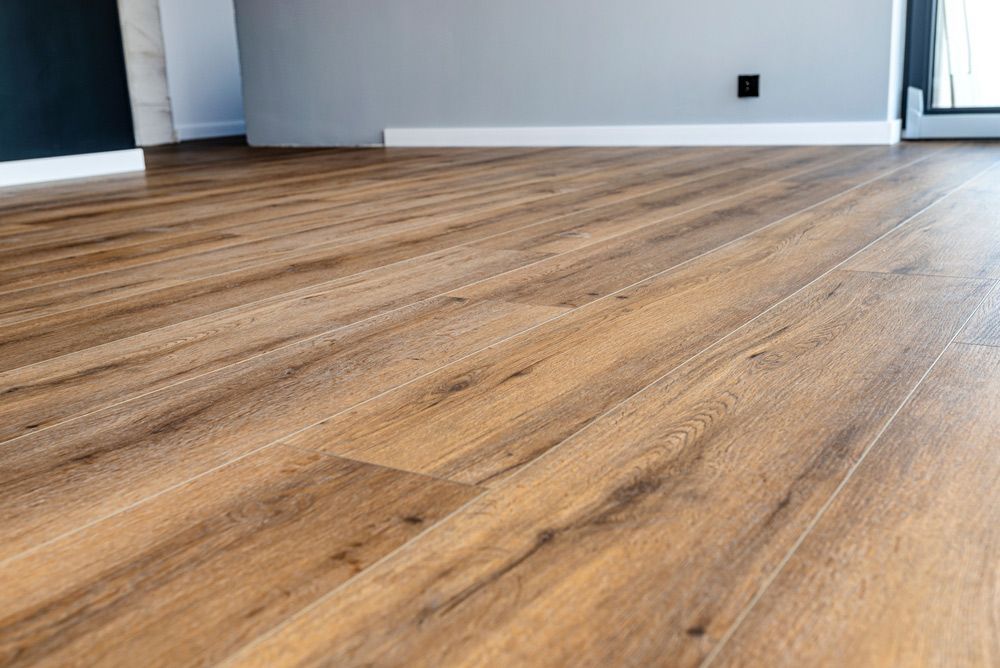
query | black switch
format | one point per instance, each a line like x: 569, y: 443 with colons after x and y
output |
x: 748, y: 85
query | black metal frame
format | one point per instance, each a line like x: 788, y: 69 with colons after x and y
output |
x: 918, y: 64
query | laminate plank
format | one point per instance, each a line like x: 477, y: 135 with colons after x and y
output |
x: 901, y: 569
x: 653, y: 446
x: 62, y: 478
x: 644, y: 535
x: 256, y: 217
x: 960, y: 238
x: 161, y: 247
x: 327, y: 190
x: 43, y: 205
x: 498, y: 410
x: 51, y: 246
x: 269, y: 216
x: 185, y: 578
x: 28, y: 341
x: 41, y: 395
x: 258, y: 204
x: 579, y: 276
x: 47, y: 337
x: 346, y: 187
x: 599, y: 224
x: 368, y: 217
x: 338, y: 165
x: 115, y: 197
x: 76, y: 293
x: 365, y: 211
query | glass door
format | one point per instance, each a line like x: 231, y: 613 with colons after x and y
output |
x: 953, y: 69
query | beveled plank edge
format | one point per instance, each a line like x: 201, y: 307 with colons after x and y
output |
x: 811, y: 525
x: 458, y: 289
x: 248, y: 648
x: 915, y: 273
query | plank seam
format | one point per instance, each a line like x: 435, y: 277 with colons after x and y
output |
x: 290, y: 435
x: 415, y: 180
x: 304, y: 291
x: 245, y: 182
x: 915, y: 273
x: 458, y: 289
x: 374, y: 237
x: 323, y: 206
x: 551, y: 451
x: 426, y: 476
x: 976, y: 345
x: 742, y: 616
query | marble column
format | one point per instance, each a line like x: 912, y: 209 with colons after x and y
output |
x: 145, y: 64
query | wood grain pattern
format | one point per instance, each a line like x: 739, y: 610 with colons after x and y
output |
x: 571, y: 279
x: 902, y: 568
x: 249, y: 200
x: 195, y: 573
x: 645, y: 534
x: 275, y: 254
x: 45, y: 205
x: 330, y: 190
x: 500, y: 409
x: 39, y: 395
x: 79, y: 471
x: 959, y: 238
x: 278, y: 234
x: 24, y: 342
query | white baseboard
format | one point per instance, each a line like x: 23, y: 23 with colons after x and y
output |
x: 744, y: 134
x: 40, y: 170
x: 947, y: 126
x: 206, y: 130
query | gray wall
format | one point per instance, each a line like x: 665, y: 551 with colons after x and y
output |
x: 322, y: 72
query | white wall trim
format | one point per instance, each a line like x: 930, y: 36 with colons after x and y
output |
x: 188, y: 131
x: 743, y: 134
x: 40, y: 170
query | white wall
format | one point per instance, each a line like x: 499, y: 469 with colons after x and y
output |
x: 203, y: 70
x: 341, y: 71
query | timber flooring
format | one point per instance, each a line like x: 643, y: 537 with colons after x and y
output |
x: 477, y: 407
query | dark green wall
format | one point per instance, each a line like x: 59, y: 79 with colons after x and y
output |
x: 62, y: 79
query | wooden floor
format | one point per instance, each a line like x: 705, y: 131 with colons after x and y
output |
x: 521, y: 407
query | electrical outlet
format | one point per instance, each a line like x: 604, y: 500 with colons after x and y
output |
x: 748, y: 85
